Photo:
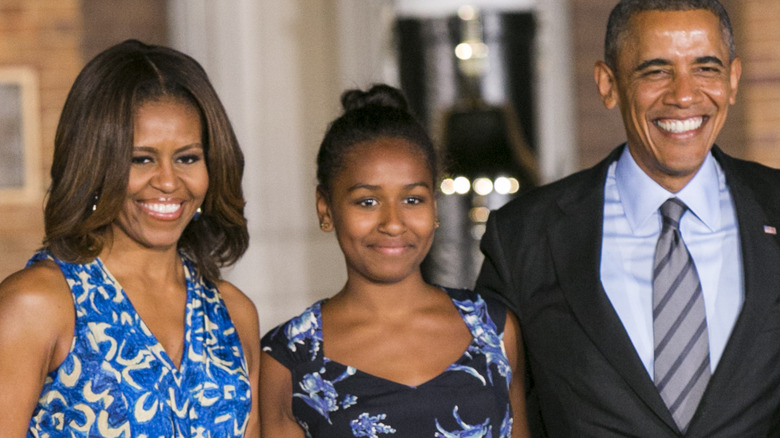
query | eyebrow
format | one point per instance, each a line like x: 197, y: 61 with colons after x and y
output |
x: 656, y: 62
x: 177, y: 151
x: 371, y: 187
x: 660, y: 62
x: 709, y: 60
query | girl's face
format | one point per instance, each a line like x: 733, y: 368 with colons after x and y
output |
x: 383, y: 209
x: 168, y: 175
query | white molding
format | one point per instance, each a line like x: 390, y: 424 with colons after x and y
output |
x: 365, y: 42
x: 253, y: 57
x: 438, y: 8
x: 273, y: 65
x: 555, y: 94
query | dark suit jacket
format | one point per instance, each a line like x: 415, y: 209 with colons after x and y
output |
x: 542, y: 254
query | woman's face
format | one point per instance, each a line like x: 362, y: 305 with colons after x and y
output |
x: 383, y: 209
x: 168, y: 176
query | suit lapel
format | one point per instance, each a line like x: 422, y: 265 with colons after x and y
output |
x: 575, y: 242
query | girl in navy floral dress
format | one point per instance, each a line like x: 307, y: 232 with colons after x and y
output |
x: 389, y: 355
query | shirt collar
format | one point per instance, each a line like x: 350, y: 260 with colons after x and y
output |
x: 701, y: 194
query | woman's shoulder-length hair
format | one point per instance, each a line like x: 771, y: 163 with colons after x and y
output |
x: 93, y: 150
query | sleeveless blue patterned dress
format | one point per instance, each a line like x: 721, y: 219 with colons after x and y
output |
x: 117, y: 381
x: 331, y: 400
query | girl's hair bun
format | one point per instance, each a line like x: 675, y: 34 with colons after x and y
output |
x: 378, y: 95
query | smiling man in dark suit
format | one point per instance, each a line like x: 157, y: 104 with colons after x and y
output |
x: 648, y: 287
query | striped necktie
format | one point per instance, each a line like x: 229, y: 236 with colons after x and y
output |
x: 682, y: 360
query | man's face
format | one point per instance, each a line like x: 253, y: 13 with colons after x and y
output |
x: 673, y: 85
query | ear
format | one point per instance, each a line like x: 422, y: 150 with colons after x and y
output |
x: 735, y: 74
x: 435, y: 214
x: 323, y: 210
x: 606, y: 83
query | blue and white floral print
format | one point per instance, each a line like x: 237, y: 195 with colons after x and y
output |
x: 304, y: 328
x: 321, y: 394
x: 506, y: 425
x: 466, y: 430
x: 334, y: 400
x: 487, y: 341
x: 370, y: 426
x: 117, y: 381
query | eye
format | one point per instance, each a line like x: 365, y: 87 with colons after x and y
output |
x: 709, y: 70
x: 189, y: 158
x: 655, y: 74
x: 141, y: 159
x: 414, y: 200
x: 367, y: 202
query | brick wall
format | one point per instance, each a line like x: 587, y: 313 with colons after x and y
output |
x: 55, y: 38
x: 44, y: 36
x: 759, y: 28
x: 110, y: 22
x: 598, y: 130
x: 752, y: 130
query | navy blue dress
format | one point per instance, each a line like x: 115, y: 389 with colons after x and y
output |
x: 331, y: 400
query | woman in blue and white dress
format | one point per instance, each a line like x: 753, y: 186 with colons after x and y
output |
x: 389, y: 355
x: 121, y: 326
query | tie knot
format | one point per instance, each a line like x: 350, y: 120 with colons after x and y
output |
x: 672, y: 210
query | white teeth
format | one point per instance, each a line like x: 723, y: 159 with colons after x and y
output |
x: 163, y: 208
x: 680, y: 126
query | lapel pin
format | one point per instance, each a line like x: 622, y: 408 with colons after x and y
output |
x: 770, y: 229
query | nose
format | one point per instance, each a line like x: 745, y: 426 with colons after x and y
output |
x: 683, y: 90
x: 165, y: 178
x: 392, y: 222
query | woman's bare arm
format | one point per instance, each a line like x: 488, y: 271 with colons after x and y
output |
x: 244, y: 316
x: 276, y: 400
x: 37, y: 320
x: 513, y: 342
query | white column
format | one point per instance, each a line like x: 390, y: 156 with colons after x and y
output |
x: 279, y: 68
x: 365, y: 42
x: 273, y: 67
x: 555, y: 94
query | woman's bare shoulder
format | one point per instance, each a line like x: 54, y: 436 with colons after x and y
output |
x: 27, y: 295
x: 234, y: 297
x: 241, y: 308
x: 36, y: 330
x: 36, y: 312
x: 41, y: 284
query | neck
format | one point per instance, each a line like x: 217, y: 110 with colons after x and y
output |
x: 134, y: 263
x: 385, y: 299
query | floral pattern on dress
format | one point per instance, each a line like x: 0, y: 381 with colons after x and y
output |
x: 321, y: 394
x: 466, y: 430
x: 304, y: 329
x: 118, y: 381
x: 483, y: 430
x: 334, y: 391
x: 369, y: 426
x: 487, y: 341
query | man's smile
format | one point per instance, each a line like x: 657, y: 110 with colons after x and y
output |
x: 679, y: 126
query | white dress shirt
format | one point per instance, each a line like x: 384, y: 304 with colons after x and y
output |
x: 632, y: 224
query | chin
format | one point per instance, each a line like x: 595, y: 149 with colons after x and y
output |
x: 389, y: 278
x: 160, y: 242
